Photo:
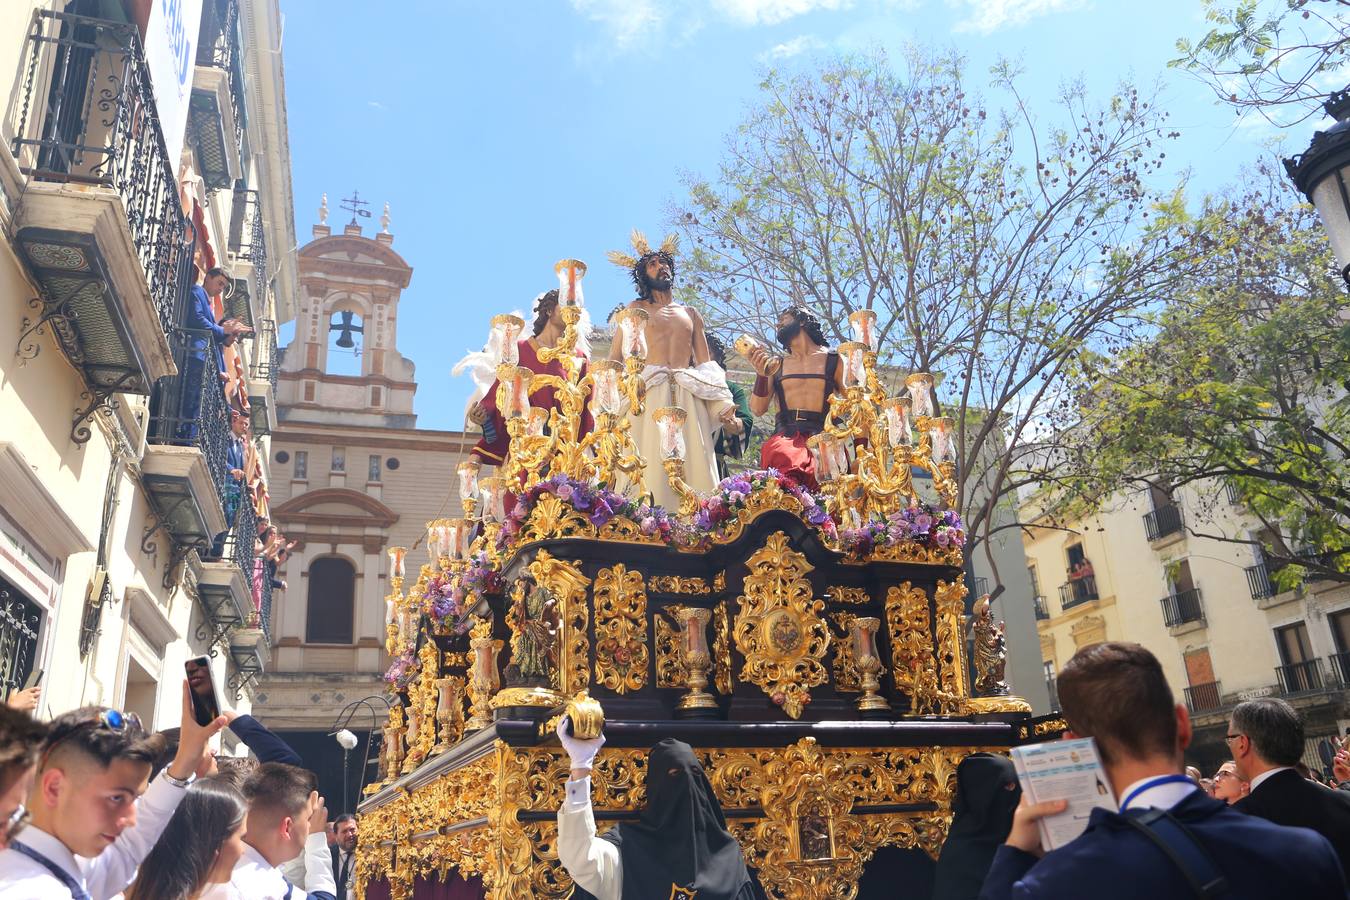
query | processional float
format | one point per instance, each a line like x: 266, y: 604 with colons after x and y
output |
x: 812, y: 648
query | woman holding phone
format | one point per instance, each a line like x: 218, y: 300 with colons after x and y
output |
x: 199, y: 847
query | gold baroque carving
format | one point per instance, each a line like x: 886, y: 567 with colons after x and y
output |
x: 845, y: 667
x: 568, y: 586
x: 671, y: 671
x: 778, y: 628
x: 950, y: 603
x: 620, y: 629
x: 853, y: 595
x: 912, y: 662
x: 722, y: 674
x: 677, y: 584
x: 553, y: 518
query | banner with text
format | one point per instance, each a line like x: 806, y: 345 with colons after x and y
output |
x: 171, y: 53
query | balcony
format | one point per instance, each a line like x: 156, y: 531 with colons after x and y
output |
x: 1079, y: 590
x: 184, y: 468
x: 1038, y: 603
x: 980, y: 586
x: 248, y: 301
x: 1204, y: 697
x: 1305, y: 678
x: 100, y: 226
x: 1183, y: 608
x: 1340, y: 667
x: 216, y: 117
x: 262, y: 374
x: 1259, y: 583
x: 1163, y: 522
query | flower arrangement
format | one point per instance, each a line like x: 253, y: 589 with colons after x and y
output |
x: 449, y: 594
x: 733, y: 492
x: 401, y: 670
x: 925, y: 525
x: 598, y: 503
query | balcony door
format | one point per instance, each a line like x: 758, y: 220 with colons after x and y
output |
x: 1298, y: 668
x: 1203, y: 690
x: 1340, y: 634
x: 1181, y: 578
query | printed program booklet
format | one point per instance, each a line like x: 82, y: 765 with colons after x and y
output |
x: 1063, y: 770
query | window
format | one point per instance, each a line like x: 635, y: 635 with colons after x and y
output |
x: 1076, y: 556
x: 339, y: 460
x: 301, y: 470
x: 1050, y: 684
x: 1293, y: 643
x: 373, y: 470
x: 1340, y: 630
x: 1035, y: 581
x: 20, y: 623
x: 331, y: 602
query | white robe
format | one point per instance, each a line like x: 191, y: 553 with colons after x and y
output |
x: 702, y: 392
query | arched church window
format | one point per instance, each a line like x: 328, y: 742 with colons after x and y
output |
x: 346, y: 341
x: 331, y: 605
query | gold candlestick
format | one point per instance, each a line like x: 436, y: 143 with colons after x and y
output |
x: 694, y: 647
x: 449, y: 716
x: 862, y: 632
x: 483, y: 678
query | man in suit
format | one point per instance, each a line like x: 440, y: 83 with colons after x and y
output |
x: 1266, y: 739
x: 344, y: 855
x: 202, y: 326
x: 1117, y: 694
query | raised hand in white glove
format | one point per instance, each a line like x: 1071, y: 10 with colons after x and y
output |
x: 582, y: 753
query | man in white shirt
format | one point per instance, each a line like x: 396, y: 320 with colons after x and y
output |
x: 286, y: 817
x: 93, y: 818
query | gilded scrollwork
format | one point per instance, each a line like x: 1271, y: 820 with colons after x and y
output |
x: 779, y: 629
x: 722, y: 674
x: 853, y: 595
x: 913, y: 665
x: 621, y: 655
x: 565, y: 581
x: 951, y: 653
x: 670, y: 669
x: 847, y: 679
x: 678, y: 584
x: 553, y: 518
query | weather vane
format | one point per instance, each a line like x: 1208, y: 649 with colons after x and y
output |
x: 356, y: 206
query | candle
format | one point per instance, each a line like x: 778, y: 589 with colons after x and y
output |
x: 494, y: 498
x: 824, y: 452
x: 433, y: 546
x: 670, y: 422
x: 940, y: 434
x: 920, y: 387
x: 864, y: 323
x: 468, y: 479
x: 632, y: 324
x: 605, y: 395
x: 502, y: 340
x: 897, y: 421
x: 513, y: 390
x: 396, y: 556
x: 851, y: 356
x: 570, y: 272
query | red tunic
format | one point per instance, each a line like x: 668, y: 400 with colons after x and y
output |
x: 492, y: 448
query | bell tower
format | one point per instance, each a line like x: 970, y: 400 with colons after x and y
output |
x: 350, y: 286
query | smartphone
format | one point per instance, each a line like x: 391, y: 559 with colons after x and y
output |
x: 34, y: 678
x: 205, y: 702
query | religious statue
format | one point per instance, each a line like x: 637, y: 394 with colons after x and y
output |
x: 679, y: 372
x: 547, y: 330
x: 802, y: 383
x: 733, y: 438
x: 990, y: 649
x: 534, y: 642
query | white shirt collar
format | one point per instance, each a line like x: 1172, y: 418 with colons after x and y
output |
x: 1160, y: 796
x: 52, y: 848
x: 254, y: 876
x: 1256, y: 782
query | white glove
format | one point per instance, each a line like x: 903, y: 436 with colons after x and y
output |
x: 582, y: 753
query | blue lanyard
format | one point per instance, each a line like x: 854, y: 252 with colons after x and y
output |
x: 1152, y: 783
x: 77, y: 891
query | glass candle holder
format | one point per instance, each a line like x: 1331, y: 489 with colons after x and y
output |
x: 920, y: 387
x: 897, y: 422
x: 670, y: 423
x: 513, y: 390
x: 570, y: 272
x: 854, y: 372
x: 606, y: 397
x: 494, y: 498
x: 433, y: 546
x: 829, y: 455
x: 397, y: 555
x: 632, y: 333
x: 502, y: 340
x: 864, y: 325
x: 940, y: 435
x: 460, y: 534
x: 536, y: 420
x: 468, y: 479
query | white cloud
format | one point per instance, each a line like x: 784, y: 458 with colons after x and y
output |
x: 625, y: 20
x: 788, y: 49
x: 988, y: 16
x: 772, y: 12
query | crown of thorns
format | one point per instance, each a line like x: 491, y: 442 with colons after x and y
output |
x: 669, y: 247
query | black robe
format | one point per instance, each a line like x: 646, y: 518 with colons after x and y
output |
x: 987, y: 793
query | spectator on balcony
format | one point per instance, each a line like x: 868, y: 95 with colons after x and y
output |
x: 202, y: 327
x: 1228, y: 785
x: 1117, y: 694
x: 1266, y: 739
x: 233, y: 493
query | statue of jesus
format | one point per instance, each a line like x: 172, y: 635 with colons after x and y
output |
x: 679, y: 372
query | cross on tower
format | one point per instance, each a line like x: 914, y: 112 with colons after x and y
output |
x: 356, y: 206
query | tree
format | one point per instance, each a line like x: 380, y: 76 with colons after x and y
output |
x: 994, y: 248
x: 1244, y: 385
x: 1271, y: 56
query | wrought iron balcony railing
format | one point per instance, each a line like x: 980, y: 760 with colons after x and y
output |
x: 249, y: 242
x: 979, y: 586
x: 265, y: 358
x: 269, y: 571
x: 1203, y: 697
x: 1304, y: 678
x: 1183, y: 607
x: 240, y: 545
x: 1162, y: 522
x: 1340, y: 667
x: 1259, y: 583
x: 1038, y: 603
x: 218, y: 46
x: 1079, y: 590
x: 189, y: 409
x: 20, y: 622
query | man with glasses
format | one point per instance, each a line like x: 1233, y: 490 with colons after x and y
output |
x: 93, y: 819
x: 1265, y: 737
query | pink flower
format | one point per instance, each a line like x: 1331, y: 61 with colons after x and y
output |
x: 564, y: 492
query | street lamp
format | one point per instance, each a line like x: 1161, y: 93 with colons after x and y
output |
x: 1322, y: 172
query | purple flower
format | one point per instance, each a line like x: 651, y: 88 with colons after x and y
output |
x: 648, y: 525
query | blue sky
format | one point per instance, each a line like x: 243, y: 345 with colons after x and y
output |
x: 506, y: 134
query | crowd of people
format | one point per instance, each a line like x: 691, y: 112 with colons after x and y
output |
x: 212, y: 334
x: 95, y: 807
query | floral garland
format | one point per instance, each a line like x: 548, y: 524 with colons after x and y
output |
x: 732, y: 494
x: 401, y: 670
x: 598, y: 503
x: 448, y: 595
x: 924, y: 525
